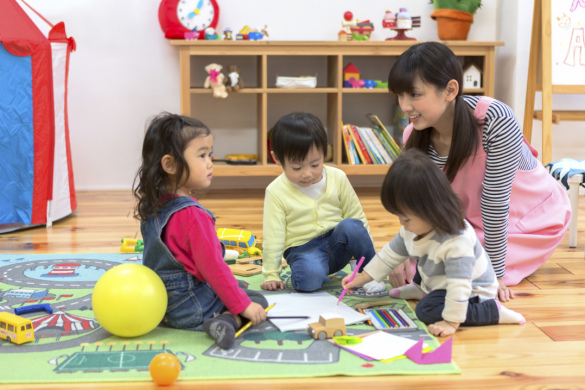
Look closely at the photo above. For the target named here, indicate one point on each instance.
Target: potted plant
(454, 17)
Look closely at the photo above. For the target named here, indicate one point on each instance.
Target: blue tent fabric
(16, 138)
(565, 168)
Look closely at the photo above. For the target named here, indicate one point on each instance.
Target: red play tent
(36, 175)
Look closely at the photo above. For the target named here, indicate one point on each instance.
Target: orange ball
(164, 368)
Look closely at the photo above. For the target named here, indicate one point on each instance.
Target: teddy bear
(233, 82)
(215, 80)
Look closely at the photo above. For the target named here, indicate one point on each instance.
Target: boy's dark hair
(165, 134)
(415, 185)
(294, 135)
(434, 63)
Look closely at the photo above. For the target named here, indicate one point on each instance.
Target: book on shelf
(390, 140)
(384, 141)
(361, 147)
(350, 151)
(374, 155)
(384, 155)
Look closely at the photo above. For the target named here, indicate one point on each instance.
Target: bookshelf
(264, 60)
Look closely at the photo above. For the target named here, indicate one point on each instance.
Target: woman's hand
(504, 293)
(272, 285)
(255, 313)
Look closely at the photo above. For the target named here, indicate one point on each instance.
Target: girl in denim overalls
(180, 240)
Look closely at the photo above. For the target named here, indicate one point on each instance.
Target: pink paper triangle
(441, 354)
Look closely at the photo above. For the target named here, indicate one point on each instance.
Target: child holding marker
(459, 285)
(180, 240)
(312, 215)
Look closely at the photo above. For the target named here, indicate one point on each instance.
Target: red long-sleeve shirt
(191, 237)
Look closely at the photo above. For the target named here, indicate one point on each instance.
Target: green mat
(70, 346)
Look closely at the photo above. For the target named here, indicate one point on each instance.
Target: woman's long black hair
(435, 64)
(165, 134)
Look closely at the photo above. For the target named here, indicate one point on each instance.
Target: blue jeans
(190, 301)
(430, 310)
(310, 263)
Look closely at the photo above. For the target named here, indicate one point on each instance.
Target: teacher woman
(519, 212)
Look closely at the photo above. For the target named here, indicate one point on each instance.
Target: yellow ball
(164, 368)
(129, 300)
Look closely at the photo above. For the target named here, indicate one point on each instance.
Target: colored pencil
(287, 317)
(367, 321)
(399, 317)
(243, 328)
(355, 271)
(389, 318)
(380, 319)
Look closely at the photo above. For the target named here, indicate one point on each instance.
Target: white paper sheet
(309, 304)
(382, 345)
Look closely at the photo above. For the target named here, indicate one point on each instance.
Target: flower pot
(452, 24)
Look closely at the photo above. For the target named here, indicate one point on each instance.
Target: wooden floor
(546, 352)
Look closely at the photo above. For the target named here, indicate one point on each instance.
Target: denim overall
(190, 301)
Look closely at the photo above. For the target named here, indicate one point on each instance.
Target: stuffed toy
(215, 80)
(233, 82)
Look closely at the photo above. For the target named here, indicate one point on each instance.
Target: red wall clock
(176, 17)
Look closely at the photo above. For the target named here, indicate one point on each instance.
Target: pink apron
(540, 210)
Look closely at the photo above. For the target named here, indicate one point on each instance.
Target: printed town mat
(71, 346)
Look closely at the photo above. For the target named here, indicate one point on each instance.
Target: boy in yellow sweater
(312, 214)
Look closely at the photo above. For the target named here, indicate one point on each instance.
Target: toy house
(350, 72)
(471, 77)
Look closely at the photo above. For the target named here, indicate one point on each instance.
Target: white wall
(515, 28)
(124, 70)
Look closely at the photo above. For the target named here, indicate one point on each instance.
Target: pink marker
(355, 271)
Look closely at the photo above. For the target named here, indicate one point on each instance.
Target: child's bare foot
(408, 291)
(443, 328)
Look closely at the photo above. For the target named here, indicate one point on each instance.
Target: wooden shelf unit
(336, 54)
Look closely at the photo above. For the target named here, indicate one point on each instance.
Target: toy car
(329, 325)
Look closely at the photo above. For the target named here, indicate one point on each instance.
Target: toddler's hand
(359, 280)
(255, 313)
(272, 285)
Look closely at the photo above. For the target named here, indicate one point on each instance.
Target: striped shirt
(455, 263)
(506, 153)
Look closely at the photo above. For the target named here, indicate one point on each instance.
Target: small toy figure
(360, 30)
(192, 35)
(369, 84)
(400, 23)
(227, 34)
(215, 80)
(233, 83)
(210, 34)
(244, 32)
(255, 35)
(389, 20)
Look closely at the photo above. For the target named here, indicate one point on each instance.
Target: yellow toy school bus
(236, 238)
(16, 329)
